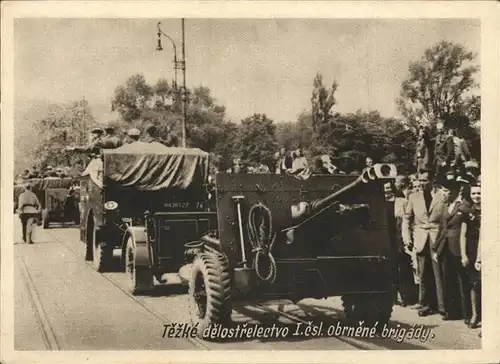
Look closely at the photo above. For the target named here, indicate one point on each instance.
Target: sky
(251, 66)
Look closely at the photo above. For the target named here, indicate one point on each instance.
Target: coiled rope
(260, 231)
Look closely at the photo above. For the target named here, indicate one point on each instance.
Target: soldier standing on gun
(443, 152)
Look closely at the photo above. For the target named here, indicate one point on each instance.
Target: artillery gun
(316, 238)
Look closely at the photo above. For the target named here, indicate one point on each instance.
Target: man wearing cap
(443, 151)
(151, 135)
(423, 212)
(28, 206)
(133, 136)
(447, 249)
(95, 145)
(111, 140)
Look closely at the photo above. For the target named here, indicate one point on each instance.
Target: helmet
(134, 132)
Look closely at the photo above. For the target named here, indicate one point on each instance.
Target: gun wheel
(209, 292)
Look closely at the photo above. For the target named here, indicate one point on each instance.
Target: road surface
(61, 303)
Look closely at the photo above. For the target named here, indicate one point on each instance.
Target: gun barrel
(378, 171)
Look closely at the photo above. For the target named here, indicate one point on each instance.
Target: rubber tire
(29, 230)
(137, 284)
(89, 241)
(370, 308)
(101, 256)
(213, 270)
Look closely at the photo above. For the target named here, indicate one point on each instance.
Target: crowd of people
(435, 218)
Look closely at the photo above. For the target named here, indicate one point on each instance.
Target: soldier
(28, 206)
(95, 145)
(133, 135)
(443, 152)
(111, 140)
(151, 135)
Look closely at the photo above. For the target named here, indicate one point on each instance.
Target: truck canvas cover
(153, 166)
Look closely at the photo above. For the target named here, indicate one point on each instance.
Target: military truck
(146, 200)
(58, 206)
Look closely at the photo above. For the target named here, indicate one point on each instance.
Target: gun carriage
(59, 204)
(265, 237)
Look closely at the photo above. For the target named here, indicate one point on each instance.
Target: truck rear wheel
(209, 292)
(371, 309)
(101, 254)
(140, 279)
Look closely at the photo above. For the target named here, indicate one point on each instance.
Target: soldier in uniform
(111, 140)
(443, 152)
(95, 145)
(133, 135)
(151, 135)
(28, 206)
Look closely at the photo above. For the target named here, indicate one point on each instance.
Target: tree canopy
(439, 86)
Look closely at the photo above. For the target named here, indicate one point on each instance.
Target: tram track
(296, 319)
(198, 343)
(195, 341)
(46, 329)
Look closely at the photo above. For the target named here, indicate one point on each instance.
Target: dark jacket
(450, 228)
(443, 149)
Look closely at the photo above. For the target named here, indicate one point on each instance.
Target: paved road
(63, 304)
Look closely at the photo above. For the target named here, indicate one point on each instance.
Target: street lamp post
(182, 66)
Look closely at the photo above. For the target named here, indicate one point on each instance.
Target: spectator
(368, 163)
(407, 277)
(423, 213)
(470, 252)
(284, 162)
(300, 164)
(449, 253)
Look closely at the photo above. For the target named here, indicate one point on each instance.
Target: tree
(298, 134)
(439, 85)
(130, 99)
(257, 140)
(65, 124)
(322, 101)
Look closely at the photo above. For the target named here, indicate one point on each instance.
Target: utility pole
(184, 90)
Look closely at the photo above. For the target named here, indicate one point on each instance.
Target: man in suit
(424, 211)
(28, 206)
(447, 250)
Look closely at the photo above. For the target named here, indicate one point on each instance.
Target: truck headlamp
(111, 205)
